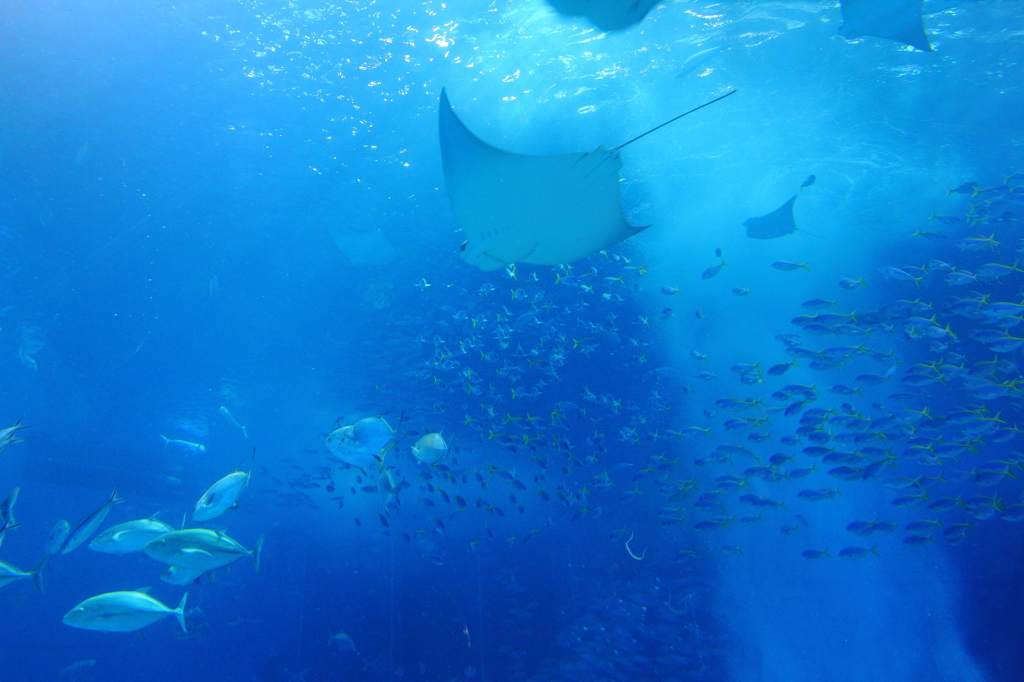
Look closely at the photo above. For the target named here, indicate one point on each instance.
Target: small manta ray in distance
(543, 210)
(779, 222)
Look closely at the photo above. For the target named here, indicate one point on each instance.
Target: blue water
(172, 178)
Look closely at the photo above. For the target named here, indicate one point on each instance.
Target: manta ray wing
(898, 20)
(517, 208)
(778, 223)
(607, 15)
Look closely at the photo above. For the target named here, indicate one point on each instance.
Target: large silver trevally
(222, 495)
(122, 612)
(58, 536)
(176, 575)
(7, 513)
(9, 574)
(363, 443)
(431, 448)
(9, 435)
(132, 536)
(343, 642)
(87, 526)
(201, 549)
(183, 445)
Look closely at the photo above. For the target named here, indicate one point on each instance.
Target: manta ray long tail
(671, 120)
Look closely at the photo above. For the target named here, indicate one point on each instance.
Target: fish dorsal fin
(144, 590)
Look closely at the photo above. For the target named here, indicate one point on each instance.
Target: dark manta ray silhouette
(544, 210)
(898, 20)
(778, 223)
(607, 15)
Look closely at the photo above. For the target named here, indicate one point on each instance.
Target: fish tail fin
(257, 551)
(114, 499)
(37, 574)
(167, 441)
(179, 613)
(245, 431)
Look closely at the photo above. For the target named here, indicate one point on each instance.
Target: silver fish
(58, 536)
(226, 413)
(132, 536)
(7, 436)
(9, 574)
(183, 444)
(7, 513)
(201, 549)
(343, 642)
(176, 575)
(222, 495)
(87, 526)
(122, 612)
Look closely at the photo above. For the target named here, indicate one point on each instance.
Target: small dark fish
(813, 554)
(918, 540)
(818, 304)
(714, 270)
(808, 182)
(789, 266)
(966, 188)
(780, 369)
(855, 553)
(847, 283)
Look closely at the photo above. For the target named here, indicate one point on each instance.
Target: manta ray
(779, 222)
(607, 15)
(898, 20)
(542, 210)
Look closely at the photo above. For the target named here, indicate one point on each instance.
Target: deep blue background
(168, 191)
